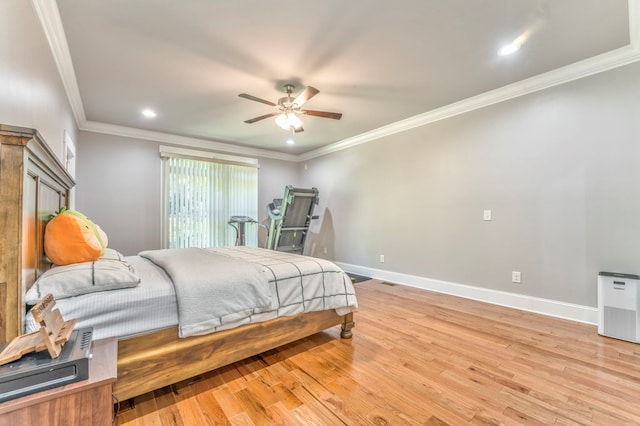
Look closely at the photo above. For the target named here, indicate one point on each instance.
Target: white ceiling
(377, 62)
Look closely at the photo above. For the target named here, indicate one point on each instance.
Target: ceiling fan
(289, 108)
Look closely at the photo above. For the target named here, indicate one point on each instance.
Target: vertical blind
(201, 196)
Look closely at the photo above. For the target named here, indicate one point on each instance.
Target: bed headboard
(33, 185)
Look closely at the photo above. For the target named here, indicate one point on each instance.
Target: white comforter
(299, 283)
(211, 289)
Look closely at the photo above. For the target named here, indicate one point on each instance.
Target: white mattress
(128, 312)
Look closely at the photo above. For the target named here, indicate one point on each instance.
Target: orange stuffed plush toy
(70, 237)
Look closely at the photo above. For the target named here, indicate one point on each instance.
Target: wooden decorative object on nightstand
(53, 334)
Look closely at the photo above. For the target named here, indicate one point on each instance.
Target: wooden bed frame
(34, 184)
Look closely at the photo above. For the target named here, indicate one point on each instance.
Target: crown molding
(130, 132)
(634, 24)
(49, 17)
(597, 64)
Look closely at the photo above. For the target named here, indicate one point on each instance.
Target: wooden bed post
(33, 184)
(347, 325)
(11, 183)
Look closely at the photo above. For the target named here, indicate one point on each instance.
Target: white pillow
(109, 272)
(112, 254)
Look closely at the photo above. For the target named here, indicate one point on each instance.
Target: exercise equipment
(239, 224)
(290, 218)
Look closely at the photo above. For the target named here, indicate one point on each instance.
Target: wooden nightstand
(87, 402)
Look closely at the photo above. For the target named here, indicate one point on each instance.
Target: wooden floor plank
(422, 358)
(147, 411)
(166, 407)
(228, 401)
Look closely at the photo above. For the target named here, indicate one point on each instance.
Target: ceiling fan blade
(308, 93)
(325, 114)
(262, 117)
(253, 98)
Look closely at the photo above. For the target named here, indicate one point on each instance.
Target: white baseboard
(554, 308)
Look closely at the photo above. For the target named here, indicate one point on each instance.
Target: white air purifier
(618, 302)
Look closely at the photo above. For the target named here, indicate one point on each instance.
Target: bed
(33, 184)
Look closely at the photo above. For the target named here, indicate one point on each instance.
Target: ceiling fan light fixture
(295, 122)
(288, 120)
(283, 121)
(286, 115)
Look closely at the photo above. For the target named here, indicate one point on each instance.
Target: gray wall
(119, 184)
(560, 170)
(31, 91)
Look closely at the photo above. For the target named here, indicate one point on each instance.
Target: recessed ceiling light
(290, 142)
(509, 49)
(149, 113)
(515, 45)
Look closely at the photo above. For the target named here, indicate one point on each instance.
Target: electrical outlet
(487, 215)
(515, 277)
(382, 258)
(324, 250)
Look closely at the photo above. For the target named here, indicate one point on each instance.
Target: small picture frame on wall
(69, 154)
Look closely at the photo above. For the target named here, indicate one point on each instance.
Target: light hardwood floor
(418, 358)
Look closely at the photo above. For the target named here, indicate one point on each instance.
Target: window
(201, 194)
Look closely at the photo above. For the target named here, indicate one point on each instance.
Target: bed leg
(347, 325)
